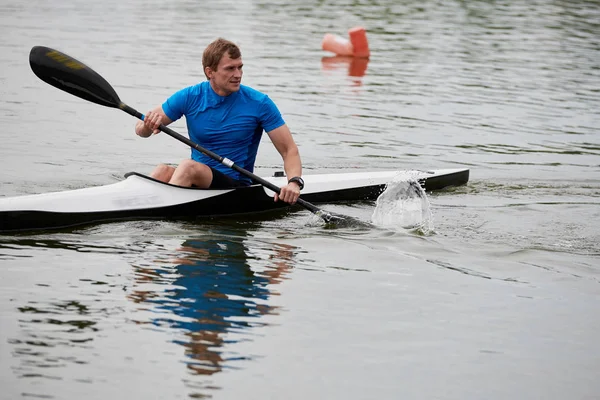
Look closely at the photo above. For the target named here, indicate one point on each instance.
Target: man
(228, 118)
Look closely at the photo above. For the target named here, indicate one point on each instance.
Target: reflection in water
(211, 290)
(356, 67)
(204, 294)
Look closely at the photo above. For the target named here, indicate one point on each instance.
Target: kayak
(141, 197)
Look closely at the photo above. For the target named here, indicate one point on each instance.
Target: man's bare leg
(192, 173)
(163, 172)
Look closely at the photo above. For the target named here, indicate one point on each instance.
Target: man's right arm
(152, 120)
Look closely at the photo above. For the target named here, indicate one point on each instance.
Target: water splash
(404, 204)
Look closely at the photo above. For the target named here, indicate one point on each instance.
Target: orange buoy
(358, 39)
(357, 46)
(337, 45)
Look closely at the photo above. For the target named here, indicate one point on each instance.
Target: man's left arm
(284, 143)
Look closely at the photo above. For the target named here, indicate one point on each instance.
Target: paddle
(73, 76)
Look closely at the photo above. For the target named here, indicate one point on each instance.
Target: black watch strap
(298, 180)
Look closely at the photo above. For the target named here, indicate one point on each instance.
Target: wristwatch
(298, 180)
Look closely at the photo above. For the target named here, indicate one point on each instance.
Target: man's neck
(218, 91)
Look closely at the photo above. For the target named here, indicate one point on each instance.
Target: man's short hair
(214, 52)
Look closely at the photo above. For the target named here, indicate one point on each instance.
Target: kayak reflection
(219, 285)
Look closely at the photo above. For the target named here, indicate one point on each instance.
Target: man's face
(228, 76)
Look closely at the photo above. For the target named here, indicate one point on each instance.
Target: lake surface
(499, 300)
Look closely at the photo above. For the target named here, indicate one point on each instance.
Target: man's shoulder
(252, 93)
(186, 91)
(197, 87)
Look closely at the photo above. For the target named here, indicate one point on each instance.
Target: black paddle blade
(72, 76)
(341, 221)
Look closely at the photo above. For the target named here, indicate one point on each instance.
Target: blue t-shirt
(231, 126)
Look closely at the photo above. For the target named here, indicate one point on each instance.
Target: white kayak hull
(141, 197)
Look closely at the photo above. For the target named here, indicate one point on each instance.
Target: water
(498, 301)
(404, 205)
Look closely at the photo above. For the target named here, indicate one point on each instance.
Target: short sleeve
(176, 105)
(270, 117)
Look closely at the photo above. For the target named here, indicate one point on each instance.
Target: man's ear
(208, 72)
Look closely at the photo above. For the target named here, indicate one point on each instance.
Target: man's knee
(194, 167)
(163, 172)
(190, 172)
(188, 164)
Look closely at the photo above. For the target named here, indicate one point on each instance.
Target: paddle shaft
(225, 161)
